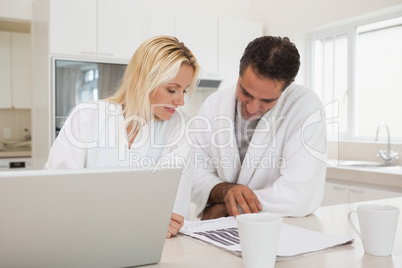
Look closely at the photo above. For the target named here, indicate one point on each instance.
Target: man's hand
(244, 197)
(176, 222)
(215, 211)
(234, 195)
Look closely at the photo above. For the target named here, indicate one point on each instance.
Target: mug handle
(351, 223)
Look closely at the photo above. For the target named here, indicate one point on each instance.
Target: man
(260, 146)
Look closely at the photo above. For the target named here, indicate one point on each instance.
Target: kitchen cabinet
(5, 69)
(73, 27)
(21, 70)
(200, 34)
(335, 193)
(234, 36)
(217, 43)
(15, 70)
(360, 194)
(157, 22)
(101, 28)
(119, 28)
(339, 193)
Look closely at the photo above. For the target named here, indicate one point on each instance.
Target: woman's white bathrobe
(94, 136)
(285, 164)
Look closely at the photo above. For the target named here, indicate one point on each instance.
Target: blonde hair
(154, 63)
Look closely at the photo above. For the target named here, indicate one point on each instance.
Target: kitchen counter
(15, 148)
(383, 177)
(182, 251)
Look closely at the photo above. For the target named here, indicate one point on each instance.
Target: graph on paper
(293, 241)
(225, 237)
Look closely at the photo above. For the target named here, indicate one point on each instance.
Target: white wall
(230, 9)
(295, 18)
(18, 10)
(289, 17)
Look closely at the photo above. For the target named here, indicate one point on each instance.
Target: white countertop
(390, 177)
(186, 252)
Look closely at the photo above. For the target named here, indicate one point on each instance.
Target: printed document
(293, 241)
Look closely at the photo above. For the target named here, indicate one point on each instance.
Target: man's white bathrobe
(94, 136)
(285, 164)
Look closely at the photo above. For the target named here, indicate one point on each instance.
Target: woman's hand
(176, 222)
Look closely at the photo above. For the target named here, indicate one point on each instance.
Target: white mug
(377, 224)
(259, 236)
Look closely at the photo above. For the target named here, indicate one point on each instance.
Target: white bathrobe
(94, 136)
(285, 164)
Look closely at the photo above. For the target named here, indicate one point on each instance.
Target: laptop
(85, 218)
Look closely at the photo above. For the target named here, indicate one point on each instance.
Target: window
(89, 87)
(331, 78)
(355, 71)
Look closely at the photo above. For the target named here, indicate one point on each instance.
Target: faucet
(389, 155)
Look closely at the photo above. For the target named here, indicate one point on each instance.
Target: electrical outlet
(6, 133)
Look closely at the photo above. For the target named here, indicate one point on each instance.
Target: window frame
(350, 30)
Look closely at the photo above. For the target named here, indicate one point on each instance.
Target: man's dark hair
(272, 57)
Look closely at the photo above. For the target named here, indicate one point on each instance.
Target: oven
(17, 163)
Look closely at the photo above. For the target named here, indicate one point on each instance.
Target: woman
(140, 125)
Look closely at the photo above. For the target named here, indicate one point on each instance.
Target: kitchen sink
(15, 146)
(362, 164)
(377, 166)
(18, 149)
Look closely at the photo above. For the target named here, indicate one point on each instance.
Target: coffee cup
(377, 224)
(259, 236)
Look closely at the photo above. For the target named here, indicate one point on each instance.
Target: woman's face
(165, 99)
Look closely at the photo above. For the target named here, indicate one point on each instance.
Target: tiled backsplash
(17, 120)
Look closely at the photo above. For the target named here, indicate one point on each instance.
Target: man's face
(257, 95)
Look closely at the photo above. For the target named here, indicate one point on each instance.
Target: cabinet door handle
(106, 54)
(87, 53)
(357, 191)
(339, 188)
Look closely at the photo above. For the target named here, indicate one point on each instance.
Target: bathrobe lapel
(262, 141)
(227, 136)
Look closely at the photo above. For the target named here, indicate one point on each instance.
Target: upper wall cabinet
(101, 28)
(5, 69)
(21, 70)
(200, 34)
(156, 22)
(119, 27)
(73, 27)
(234, 36)
(15, 70)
